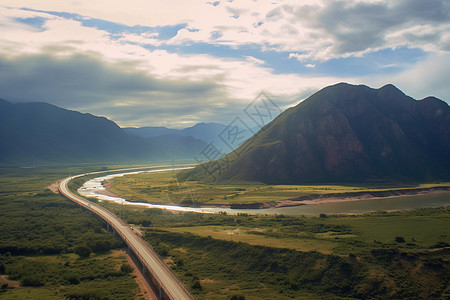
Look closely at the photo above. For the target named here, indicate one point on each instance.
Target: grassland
(373, 256)
(377, 255)
(40, 240)
(164, 187)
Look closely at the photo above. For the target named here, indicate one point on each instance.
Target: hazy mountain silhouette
(208, 132)
(345, 133)
(40, 132)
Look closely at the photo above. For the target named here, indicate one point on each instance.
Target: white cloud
(426, 78)
(311, 31)
(320, 29)
(219, 86)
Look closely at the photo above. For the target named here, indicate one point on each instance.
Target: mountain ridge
(38, 132)
(345, 133)
(208, 132)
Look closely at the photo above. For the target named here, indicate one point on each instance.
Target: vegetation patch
(285, 257)
(53, 248)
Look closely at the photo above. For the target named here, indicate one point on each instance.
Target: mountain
(39, 132)
(208, 132)
(150, 131)
(345, 133)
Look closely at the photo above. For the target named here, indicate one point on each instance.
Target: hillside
(345, 133)
(39, 133)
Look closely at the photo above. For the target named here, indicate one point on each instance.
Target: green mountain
(40, 133)
(344, 133)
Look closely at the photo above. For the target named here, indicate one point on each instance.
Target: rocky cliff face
(348, 133)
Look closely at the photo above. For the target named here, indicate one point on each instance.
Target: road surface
(172, 286)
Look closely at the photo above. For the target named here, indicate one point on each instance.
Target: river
(93, 188)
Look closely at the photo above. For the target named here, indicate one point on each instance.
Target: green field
(41, 239)
(377, 255)
(359, 233)
(164, 187)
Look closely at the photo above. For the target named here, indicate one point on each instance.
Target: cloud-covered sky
(176, 63)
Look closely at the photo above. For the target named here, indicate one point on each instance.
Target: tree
(196, 285)
(126, 268)
(399, 239)
(83, 251)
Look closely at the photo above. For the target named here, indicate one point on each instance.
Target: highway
(173, 288)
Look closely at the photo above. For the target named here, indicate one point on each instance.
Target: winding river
(94, 187)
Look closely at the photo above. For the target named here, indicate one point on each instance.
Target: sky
(180, 62)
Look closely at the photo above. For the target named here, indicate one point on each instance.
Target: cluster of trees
(48, 224)
(48, 241)
(74, 277)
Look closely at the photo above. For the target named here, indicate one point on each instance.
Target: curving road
(173, 288)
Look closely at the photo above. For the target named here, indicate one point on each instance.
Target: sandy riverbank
(358, 196)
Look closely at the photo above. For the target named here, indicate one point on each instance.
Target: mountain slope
(346, 133)
(40, 132)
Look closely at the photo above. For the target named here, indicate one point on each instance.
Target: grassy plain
(40, 235)
(377, 255)
(164, 187)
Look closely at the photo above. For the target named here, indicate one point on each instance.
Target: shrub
(399, 239)
(196, 285)
(126, 268)
(31, 281)
(83, 251)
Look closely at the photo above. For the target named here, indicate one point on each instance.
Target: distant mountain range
(208, 132)
(39, 133)
(345, 133)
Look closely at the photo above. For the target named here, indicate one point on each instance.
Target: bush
(73, 279)
(196, 285)
(146, 223)
(399, 239)
(31, 281)
(126, 268)
(83, 251)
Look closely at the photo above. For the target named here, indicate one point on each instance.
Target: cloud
(357, 27)
(87, 83)
(318, 30)
(177, 62)
(426, 78)
(125, 93)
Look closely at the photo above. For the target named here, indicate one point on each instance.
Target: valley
(370, 243)
(166, 188)
(257, 252)
(224, 150)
